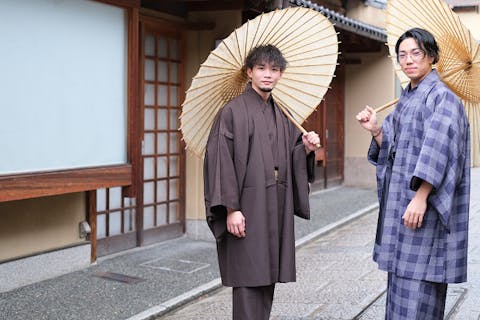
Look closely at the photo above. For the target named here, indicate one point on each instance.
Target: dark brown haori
(255, 162)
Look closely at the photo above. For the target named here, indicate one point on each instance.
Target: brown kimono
(247, 169)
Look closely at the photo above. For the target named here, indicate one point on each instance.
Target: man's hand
(367, 118)
(236, 223)
(414, 214)
(310, 141)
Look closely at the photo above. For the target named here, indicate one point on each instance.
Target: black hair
(265, 54)
(425, 40)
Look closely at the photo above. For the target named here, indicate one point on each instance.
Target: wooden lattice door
(161, 196)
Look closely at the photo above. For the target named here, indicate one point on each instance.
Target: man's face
(264, 77)
(413, 60)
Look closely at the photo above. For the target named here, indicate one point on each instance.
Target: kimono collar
(250, 91)
(427, 82)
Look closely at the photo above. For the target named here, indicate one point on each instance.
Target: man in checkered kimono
(422, 158)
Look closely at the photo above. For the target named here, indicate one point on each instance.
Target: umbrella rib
(451, 25)
(267, 28)
(225, 68)
(415, 14)
(316, 74)
(296, 40)
(201, 133)
(456, 25)
(255, 40)
(205, 96)
(282, 35)
(294, 97)
(204, 117)
(296, 115)
(223, 59)
(392, 6)
(205, 85)
(276, 31)
(211, 111)
(302, 91)
(314, 57)
(238, 48)
(245, 47)
(211, 75)
(201, 99)
(218, 67)
(297, 50)
(475, 54)
(453, 70)
(308, 74)
(209, 100)
(231, 52)
(326, 64)
(432, 17)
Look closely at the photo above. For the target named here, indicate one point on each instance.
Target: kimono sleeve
(382, 156)
(220, 182)
(373, 152)
(303, 173)
(442, 155)
(379, 155)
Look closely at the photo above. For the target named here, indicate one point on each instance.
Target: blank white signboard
(63, 85)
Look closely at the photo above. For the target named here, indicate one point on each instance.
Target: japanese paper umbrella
(307, 40)
(459, 60)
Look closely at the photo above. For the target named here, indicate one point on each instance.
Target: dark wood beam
(34, 185)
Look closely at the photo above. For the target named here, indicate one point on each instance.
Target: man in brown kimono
(256, 171)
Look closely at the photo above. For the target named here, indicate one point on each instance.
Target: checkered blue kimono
(425, 138)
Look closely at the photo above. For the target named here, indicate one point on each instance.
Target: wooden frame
(40, 184)
(172, 29)
(125, 238)
(110, 244)
(25, 186)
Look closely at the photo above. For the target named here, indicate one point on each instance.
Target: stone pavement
(152, 280)
(337, 279)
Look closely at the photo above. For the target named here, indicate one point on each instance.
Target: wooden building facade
(144, 187)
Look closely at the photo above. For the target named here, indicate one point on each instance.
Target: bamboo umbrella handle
(295, 122)
(385, 106)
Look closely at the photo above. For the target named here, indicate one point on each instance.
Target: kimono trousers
(426, 138)
(239, 173)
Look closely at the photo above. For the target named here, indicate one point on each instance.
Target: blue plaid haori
(409, 299)
(426, 138)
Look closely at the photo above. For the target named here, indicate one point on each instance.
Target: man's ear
(249, 73)
(430, 59)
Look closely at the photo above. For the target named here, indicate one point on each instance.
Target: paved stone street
(337, 278)
(167, 275)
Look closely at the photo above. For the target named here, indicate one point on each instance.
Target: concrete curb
(178, 301)
(188, 296)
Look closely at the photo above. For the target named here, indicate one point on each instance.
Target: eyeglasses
(416, 55)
